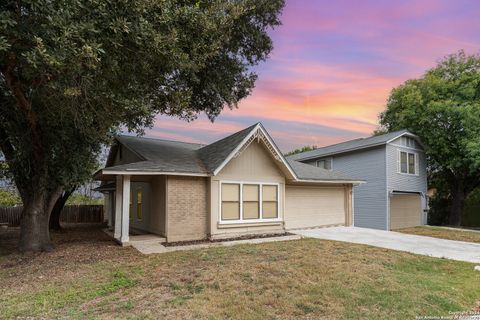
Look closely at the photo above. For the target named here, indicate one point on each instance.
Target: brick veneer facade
(187, 208)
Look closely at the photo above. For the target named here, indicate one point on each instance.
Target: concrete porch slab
(149, 247)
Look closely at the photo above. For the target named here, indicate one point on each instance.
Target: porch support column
(118, 207)
(125, 209)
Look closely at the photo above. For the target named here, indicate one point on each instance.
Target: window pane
(321, 163)
(328, 164)
(269, 209)
(403, 162)
(250, 192)
(269, 193)
(251, 210)
(411, 163)
(139, 205)
(230, 210)
(230, 192)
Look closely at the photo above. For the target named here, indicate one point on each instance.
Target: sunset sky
(333, 66)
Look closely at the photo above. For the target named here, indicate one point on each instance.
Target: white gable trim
(258, 132)
(406, 134)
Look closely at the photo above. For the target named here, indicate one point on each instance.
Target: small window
(269, 202)
(130, 207)
(325, 164)
(230, 201)
(410, 142)
(407, 162)
(411, 163)
(251, 207)
(403, 162)
(139, 205)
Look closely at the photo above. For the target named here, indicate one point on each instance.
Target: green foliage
(300, 150)
(76, 199)
(9, 198)
(471, 214)
(74, 72)
(443, 109)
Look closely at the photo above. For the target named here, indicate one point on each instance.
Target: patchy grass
(443, 233)
(91, 277)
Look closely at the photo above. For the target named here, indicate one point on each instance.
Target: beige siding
(405, 211)
(187, 211)
(254, 164)
(308, 206)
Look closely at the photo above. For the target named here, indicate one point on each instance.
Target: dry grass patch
(443, 233)
(307, 279)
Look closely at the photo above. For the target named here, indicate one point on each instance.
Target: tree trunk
(458, 203)
(57, 209)
(34, 231)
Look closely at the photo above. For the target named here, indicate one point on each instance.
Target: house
(393, 165)
(239, 185)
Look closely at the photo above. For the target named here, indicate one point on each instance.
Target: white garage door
(405, 211)
(307, 207)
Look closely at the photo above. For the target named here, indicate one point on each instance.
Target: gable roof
(180, 158)
(351, 145)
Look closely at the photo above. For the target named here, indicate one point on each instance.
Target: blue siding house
(394, 168)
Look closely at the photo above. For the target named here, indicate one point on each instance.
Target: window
(325, 164)
(410, 142)
(139, 205)
(251, 200)
(248, 201)
(407, 162)
(230, 201)
(130, 213)
(269, 201)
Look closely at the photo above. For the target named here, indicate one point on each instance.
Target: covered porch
(134, 207)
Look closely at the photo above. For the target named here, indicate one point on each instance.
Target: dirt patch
(246, 237)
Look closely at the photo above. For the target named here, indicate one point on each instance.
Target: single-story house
(239, 185)
(393, 165)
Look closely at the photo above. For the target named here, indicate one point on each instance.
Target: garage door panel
(313, 206)
(405, 211)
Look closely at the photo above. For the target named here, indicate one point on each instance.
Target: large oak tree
(443, 109)
(73, 72)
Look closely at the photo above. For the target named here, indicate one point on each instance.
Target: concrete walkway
(427, 246)
(149, 247)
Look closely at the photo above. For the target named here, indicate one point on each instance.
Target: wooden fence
(70, 214)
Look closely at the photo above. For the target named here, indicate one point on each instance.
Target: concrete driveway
(427, 246)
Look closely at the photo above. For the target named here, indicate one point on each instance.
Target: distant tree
(443, 109)
(300, 150)
(9, 198)
(73, 72)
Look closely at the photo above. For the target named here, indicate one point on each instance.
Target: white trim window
(410, 142)
(408, 162)
(248, 202)
(324, 163)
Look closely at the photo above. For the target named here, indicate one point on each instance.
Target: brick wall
(187, 208)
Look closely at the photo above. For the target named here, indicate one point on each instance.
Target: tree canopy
(443, 109)
(73, 72)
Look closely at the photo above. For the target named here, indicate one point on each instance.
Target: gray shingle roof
(189, 158)
(214, 154)
(347, 146)
(309, 172)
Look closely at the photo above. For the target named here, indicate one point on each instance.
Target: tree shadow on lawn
(75, 243)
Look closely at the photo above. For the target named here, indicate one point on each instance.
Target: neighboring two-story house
(393, 165)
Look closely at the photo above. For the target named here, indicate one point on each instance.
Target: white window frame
(260, 199)
(408, 140)
(399, 161)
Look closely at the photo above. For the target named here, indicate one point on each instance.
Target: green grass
(296, 279)
(443, 233)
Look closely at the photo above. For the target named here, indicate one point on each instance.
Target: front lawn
(88, 276)
(443, 233)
